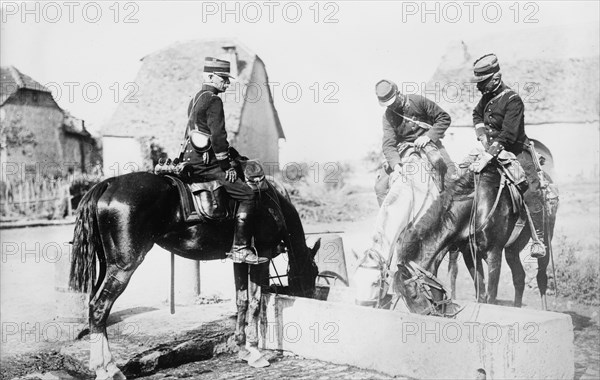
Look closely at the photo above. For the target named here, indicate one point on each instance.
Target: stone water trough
(506, 343)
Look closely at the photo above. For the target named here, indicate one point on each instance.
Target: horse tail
(87, 243)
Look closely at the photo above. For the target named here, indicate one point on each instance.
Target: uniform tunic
(501, 117)
(502, 113)
(396, 129)
(206, 114)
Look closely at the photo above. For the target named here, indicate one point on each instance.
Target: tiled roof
(12, 80)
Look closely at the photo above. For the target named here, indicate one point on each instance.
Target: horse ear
(315, 248)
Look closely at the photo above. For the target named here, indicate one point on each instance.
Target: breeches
(533, 197)
(238, 190)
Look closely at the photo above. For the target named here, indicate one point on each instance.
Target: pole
(197, 283)
(172, 283)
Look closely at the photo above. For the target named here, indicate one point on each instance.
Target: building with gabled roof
(156, 114)
(36, 130)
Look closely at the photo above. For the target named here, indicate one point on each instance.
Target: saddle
(209, 200)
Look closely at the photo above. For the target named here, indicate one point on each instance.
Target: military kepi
(386, 91)
(485, 67)
(217, 66)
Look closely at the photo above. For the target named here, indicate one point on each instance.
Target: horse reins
(420, 276)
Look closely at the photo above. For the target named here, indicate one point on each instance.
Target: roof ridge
(232, 40)
(16, 74)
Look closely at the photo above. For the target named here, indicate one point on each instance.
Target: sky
(88, 53)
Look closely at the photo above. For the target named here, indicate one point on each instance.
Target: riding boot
(538, 248)
(242, 250)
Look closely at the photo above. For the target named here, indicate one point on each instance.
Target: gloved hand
(421, 141)
(230, 175)
(484, 141)
(478, 165)
(395, 174)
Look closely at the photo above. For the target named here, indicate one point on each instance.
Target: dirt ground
(29, 341)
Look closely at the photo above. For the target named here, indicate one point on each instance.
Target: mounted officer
(499, 120)
(410, 119)
(207, 152)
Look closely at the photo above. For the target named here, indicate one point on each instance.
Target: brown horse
(476, 216)
(120, 219)
(518, 241)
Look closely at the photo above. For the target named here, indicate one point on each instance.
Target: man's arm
(218, 134)
(441, 119)
(390, 150)
(478, 119)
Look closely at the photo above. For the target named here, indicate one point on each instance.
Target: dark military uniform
(206, 115)
(500, 116)
(396, 130)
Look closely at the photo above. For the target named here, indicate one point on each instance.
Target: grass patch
(327, 192)
(577, 273)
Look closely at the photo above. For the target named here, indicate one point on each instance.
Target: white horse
(409, 197)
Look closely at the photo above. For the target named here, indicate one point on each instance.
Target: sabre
(420, 124)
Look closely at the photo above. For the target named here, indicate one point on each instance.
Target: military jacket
(205, 113)
(397, 130)
(502, 114)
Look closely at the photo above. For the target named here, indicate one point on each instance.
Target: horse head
(422, 292)
(371, 279)
(303, 275)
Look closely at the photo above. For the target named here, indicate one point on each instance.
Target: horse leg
(542, 276)
(518, 273)
(453, 270)
(494, 263)
(259, 278)
(240, 272)
(476, 274)
(115, 282)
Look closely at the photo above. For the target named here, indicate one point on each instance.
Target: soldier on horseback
(410, 119)
(207, 152)
(499, 120)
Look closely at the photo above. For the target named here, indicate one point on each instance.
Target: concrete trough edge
(507, 343)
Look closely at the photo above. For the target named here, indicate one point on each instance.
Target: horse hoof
(114, 373)
(260, 362)
(254, 358)
(244, 354)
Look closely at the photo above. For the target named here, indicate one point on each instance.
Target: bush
(577, 276)
(323, 192)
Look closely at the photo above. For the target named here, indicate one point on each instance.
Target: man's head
(387, 93)
(216, 73)
(486, 73)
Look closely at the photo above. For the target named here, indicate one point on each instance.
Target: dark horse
(120, 219)
(453, 221)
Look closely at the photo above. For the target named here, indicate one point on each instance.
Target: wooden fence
(35, 197)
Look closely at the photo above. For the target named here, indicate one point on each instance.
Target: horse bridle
(383, 265)
(425, 281)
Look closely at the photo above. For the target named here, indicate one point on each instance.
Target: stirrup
(537, 250)
(246, 256)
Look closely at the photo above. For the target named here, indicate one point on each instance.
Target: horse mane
(438, 214)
